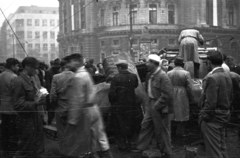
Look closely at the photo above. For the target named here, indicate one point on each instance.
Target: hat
(56, 63)
(178, 61)
(154, 57)
(73, 56)
(122, 63)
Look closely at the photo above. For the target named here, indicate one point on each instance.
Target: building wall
(33, 13)
(97, 40)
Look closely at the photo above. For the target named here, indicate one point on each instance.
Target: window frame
(152, 11)
(174, 14)
(115, 15)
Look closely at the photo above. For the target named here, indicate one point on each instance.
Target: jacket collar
(25, 77)
(178, 68)
(217, 69)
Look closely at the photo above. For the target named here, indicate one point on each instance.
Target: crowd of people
(80, 125)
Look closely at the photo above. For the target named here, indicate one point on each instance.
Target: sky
(10, 6)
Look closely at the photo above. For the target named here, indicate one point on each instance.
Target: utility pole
(131, 29)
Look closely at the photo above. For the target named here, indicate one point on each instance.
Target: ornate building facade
(99, 29)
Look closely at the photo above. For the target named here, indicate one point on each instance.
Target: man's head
(51, 63)
(122, 65)
(91, 61)
(63, 64)
(12, 64)
(30, 66)
(153, 62)
(179, 61)
(100, 65)
(164, 65)
(74, 61)
(214, 59)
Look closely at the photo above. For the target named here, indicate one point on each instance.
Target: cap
(154, 57)
(122, 63)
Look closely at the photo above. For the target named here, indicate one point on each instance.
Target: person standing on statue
(188, 50)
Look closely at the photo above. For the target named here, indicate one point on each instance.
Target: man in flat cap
(84, 130)
(182, 94)
(159, 89)
(122, 99)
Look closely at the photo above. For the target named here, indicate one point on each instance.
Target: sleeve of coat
(189, 87)
(166, 92)
(76, 96)
(112, 94)
(19, 98)
(200, 39)
(53, 93)
(136, 82)
(210, 103)
(180, 38)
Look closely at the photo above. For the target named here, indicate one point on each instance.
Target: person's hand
(41, 101)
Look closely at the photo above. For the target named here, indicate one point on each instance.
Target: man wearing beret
(159, 89)
(122, 98)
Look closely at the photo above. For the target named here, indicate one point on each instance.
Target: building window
(115, 52)
(115, 16)
(152, 13)
(116, 42)
(20, 34)
(45, 47)
(37, 34)
(102, 43)
(171, 14)
(19, 22)
(231, 16)
(134, 14)
(45, 36)
(29, 22)
(37, 46)
(53, 46)
(52, 22)
(103, 56)
(154, 41)
(29, 45)
(171, 42)
(37, 22)
(83, 15)
(52, 34)
(44, 22)
(102, 17)
(29, 34)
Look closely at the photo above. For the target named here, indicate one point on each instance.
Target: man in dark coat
(156, 117)
(8, 127)
(122, 99)
(216, 104)
(29, 119)
(48, 78)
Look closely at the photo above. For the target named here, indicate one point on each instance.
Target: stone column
(224, 13)
(203, 12)
(215, 13)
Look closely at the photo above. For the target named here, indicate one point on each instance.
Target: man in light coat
(182, 94)
(84, 132)
(188, 50)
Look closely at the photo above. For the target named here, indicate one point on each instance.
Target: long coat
(29, 120)
(83, 117)
(182, 93)
(188, 40)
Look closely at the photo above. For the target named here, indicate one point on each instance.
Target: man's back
(123, 85)
(6, 91)
(59, 87)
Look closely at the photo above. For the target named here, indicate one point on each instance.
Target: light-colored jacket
(7, 79)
